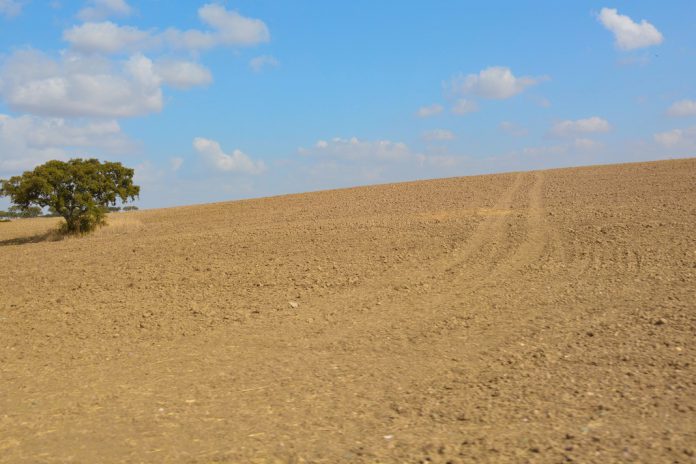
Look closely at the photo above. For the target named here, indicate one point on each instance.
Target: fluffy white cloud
(231, 28)
(428, 111)
(226, 28)
(27, 141)
(677, 138)
(570, 128)
(438, 134)
(107, 37)
(354, 148)
(183, 74)
(513, 129)
(628, 34)
(683, 108)
(76, 85)
(464, 106)
(237, 161)
(10, 8)
(264, 61)
(101, 9)
(496, 83)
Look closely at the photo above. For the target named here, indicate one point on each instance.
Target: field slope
(544, 316)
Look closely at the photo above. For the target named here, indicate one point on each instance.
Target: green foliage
(114, 209)
(130, 208)
(78, 190)
(17, 212)
(29, 212)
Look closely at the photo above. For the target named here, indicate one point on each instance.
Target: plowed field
(544, 316)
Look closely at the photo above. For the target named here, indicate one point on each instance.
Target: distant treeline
(34, 211)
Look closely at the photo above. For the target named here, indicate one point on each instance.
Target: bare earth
(528, 317)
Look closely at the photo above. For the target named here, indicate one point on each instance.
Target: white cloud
(101, 9)
(76, 85)
(264, 61)
(496, 83)
(183, 74)
(438, 134)
(176, 162)
(585, 144)
(10, 8)
(545, 150)
(107, 37)
(683, 108)
(677, 138)
(428, 111)
(578, 146)
(440, 161)
(513, 129)
(227, 28)
(354, 148)
(231, 28)
(27, 141)
(629, 35)
(464, 106)
(570, 128)
(211, 151)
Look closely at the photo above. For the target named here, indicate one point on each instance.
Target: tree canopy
(79, 190)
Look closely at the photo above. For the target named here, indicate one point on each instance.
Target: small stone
(660, 321)
(294, 304)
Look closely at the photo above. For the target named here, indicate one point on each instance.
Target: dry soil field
(528, 317)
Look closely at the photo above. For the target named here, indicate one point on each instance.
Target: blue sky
(237, 99)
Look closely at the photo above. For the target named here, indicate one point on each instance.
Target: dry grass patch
(119, 224)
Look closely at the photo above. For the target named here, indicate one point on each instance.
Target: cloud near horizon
(677, 138)
(428, 111)
(237, 161)
(570, 128)
(682, 108)
(513, 129)
(438, 135)
(26, 141)
(354, 148)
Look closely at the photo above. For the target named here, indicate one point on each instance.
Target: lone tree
(78, 190)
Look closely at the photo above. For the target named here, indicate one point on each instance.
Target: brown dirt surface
(542, 316)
